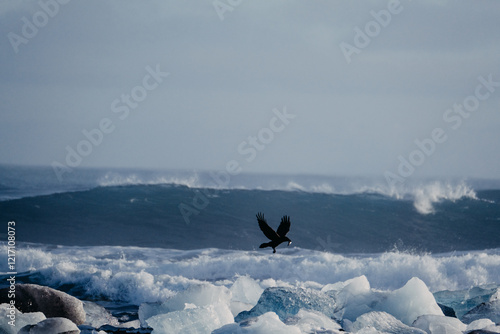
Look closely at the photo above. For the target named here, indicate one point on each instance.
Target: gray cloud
(227, 76)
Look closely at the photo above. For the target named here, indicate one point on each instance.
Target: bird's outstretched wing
(268, 231)
(284, 226)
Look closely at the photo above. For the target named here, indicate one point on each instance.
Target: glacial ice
(194, 296)
(490, 310)
(485, 324)
(382, 322)
(463, 301)
(352, 297)
(246, 290)
(411, 301)
(313, 322)
(198, 320)
(245, 294)
(56, 325)
(286, 302)
(198, 309)
(361, 309)
(264, 324)
(348, 300)
(436, 324)
(97, 316)
(21, 319)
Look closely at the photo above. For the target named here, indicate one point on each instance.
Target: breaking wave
(136, 275)
(116, 179)
(423, 194)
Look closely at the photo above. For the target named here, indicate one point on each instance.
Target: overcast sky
(354, 88)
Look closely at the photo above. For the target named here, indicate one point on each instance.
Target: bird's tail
(264, 245)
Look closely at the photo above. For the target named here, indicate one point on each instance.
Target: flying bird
(275, 237)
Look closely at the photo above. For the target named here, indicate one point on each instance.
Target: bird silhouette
(275, 237)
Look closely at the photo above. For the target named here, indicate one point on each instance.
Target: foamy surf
(295, 290)
(154, 274)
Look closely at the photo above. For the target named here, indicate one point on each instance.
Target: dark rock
(116, 330)
(51, 302)
(52, 326)
(447, 311)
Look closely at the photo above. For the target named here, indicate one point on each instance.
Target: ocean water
(127, 237)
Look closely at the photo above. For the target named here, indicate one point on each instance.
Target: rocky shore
(39, 309)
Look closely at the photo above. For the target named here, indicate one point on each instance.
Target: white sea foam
(294, 186)
(138, 275)
(115, 179)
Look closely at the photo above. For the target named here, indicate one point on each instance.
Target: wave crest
(424, 194)
(425, 197)
(114, 180)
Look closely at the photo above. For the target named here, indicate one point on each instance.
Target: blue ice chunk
(489, 310)
(462, 301)
(286, 302)
(199, 320)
